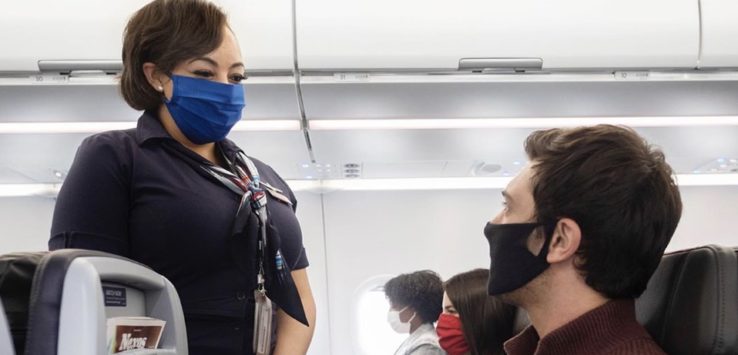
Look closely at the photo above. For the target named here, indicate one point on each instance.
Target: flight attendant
(175, 194)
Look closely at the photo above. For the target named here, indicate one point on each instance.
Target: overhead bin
(432, 35)
(719, 33)
(63, 36)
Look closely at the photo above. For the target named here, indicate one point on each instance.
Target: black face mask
(512, 265)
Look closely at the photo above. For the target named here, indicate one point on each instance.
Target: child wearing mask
(473, 322)
(415, 303)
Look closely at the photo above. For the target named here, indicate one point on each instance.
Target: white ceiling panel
(418, 145)
(388, 153)
(29, 158)
(37, 156)
(411, 152)
(284, 151)
(496, 98)
(26, 158)
(458, 152)
(74, 103)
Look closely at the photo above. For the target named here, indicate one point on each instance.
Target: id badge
(262, 323)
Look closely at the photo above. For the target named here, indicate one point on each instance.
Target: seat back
(16, 278)
(690, 306)
(6, 342)
(62, 309)
(691, 303)
(521, 321)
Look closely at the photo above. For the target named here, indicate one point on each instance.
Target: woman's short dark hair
(487, 322)
(619, 190)
(421, 290)
(166, 32)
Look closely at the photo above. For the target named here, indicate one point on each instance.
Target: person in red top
(472, 322)
(583, 228)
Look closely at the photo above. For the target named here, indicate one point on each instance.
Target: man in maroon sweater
(583, 228)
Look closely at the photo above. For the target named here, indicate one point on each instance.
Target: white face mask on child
(393, 318)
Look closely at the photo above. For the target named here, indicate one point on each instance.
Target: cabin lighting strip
(468, 183)
(95, 127)
(23, 190)
(389, 124)
(542, 122)
(407, 184)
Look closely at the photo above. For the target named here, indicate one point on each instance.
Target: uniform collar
(228, 148)
(150, 128)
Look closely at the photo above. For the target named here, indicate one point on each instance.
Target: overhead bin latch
(493, 65)
(69, 66)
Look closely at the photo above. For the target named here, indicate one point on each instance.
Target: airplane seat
(66, 299)
(690, 306)
(6, 341)
(521, 321)
(16, 277)
(691, 303)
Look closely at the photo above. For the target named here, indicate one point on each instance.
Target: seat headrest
(6, 340)
(521, 320)
(46, 298)
(16, 278)
(691, 303)
(690, 306)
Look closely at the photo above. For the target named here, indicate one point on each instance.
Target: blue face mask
(205, 111)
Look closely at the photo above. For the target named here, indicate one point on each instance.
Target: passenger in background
(583, 228)
(175, 194)
(472, 322)
(415, 303)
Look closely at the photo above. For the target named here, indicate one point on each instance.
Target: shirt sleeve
(427, 349)
(92, 207)
(298, 258)
(285, 220)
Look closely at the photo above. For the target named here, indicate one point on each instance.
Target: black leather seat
(6, 339)
(691, 303)
(690, 306)
(16, 278)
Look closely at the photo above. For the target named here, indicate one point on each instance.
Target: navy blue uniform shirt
(128, 195)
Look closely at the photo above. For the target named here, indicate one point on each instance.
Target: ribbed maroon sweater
(609, 329)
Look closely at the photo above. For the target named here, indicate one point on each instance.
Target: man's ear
(155, 77)
(565, 241)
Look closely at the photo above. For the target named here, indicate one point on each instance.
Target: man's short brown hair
(166, 32)
(619, 190)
